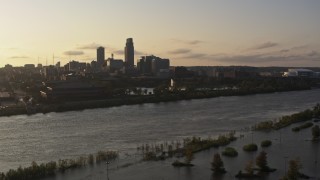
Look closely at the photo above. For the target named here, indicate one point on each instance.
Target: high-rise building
(148, 65)
(159, 64)
(114, 64)
(129, 54)
(100, 57)
(144, 64)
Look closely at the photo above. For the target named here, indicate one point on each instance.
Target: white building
(299, 73)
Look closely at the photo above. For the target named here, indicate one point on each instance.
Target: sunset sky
(188, 32)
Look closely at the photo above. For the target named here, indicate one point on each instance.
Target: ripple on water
(51, 136)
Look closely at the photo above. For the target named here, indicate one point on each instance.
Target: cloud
(275, 58)
(19, 57)
(121, 52)
(89, 46)
(194, 42)
(295, 48)
(264, 46)
(313, 54)
(284, 50)
(196, 56)
(139, 53)
(266, 58)
(248, 59)
(180, 51)
(257, 59)
(188, 42)
(73, 53)
(299, 47)
(185, 53)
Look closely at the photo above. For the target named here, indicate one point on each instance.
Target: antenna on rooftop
(53, 59)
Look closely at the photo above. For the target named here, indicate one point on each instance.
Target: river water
(53, 136)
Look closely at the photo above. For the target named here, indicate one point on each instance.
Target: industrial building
(299, 73)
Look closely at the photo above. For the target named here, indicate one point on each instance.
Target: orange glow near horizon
(189, 33)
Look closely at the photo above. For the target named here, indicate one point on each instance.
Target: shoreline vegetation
(156, 152)
(285, 121)
(149, 153)
(161, 95)
(178, 150)
(38, 171)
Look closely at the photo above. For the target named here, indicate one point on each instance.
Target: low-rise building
(114, 64)
(71, 90)
(299, 73)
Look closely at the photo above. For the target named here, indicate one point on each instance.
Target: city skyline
(264, 33)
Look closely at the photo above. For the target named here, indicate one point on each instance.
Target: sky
(188, 32)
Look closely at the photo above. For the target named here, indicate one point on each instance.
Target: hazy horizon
(190, 33)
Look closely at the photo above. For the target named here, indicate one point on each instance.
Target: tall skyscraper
(152, 65)
(129, 53)
(100, 57)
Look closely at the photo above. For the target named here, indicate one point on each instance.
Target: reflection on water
(70, 134)
(292, 146)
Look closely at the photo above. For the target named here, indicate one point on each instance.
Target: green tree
(91, 159)
(261, 161)
(315, 132)
(293, 171)
(51, 167)
(316, 110)
(217, 164)
(249, 168)
(2, 176)
(189, 156)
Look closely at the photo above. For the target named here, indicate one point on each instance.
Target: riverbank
(278, 156)
(203, 149)
(52, 136)
(284, 121)
(133, 100)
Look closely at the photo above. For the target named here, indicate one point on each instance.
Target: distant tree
(315, 132)
(138, 92)
(2, 176)
(217, 164)
(293, 171)
(316, 110)
(261, 160)
(189, 156)
(249, 168)
(51, 167)
(91, 159)
(170, 150)
(250, 147)
(145, 91)
(230, 151)
(266, 143)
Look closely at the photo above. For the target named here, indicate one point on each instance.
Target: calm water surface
(46, 137)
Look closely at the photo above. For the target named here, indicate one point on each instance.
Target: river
(53, 136)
